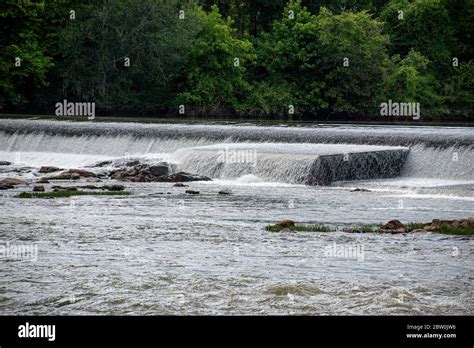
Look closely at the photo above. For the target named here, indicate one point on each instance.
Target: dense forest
(238, 58)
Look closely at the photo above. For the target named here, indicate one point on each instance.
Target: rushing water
(161, 251)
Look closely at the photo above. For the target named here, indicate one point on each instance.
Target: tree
(24, 61)
(422, 25)
(411, 81)
(353, 60)
(330, 63)
(250, 17)
(289, 56)
(127, 54)
(215, 66)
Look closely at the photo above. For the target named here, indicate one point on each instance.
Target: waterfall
(301, 155)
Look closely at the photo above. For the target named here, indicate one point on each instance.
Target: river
(161, 251)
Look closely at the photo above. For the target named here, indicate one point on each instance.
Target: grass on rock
(460, 231)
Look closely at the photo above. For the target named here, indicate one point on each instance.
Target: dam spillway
(317, 155)
(309, 164)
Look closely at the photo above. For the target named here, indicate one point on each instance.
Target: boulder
(394, 226)
(436, 223)
(5, 163)
(180, 184)
(114, 187)
(38, 188)
(81, 173)
(118, 175)
(142, 172)
(48, 169)
(286, 223)
(183, 177)
(72, 174)
(469, 222)
(102, 164)
(159, 170)
(132, 163)
(12, 181)
(24, 170)
(63, 176)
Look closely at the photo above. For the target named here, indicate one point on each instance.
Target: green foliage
(147, 32)
(307, 54)
(458, 90)
(283, 61)
(251, 17)
(461, 231)
(357, 37)
(288, 56)
(215, 66)
(425, 27)
(411, 81)
(18, 39)
(267, 98)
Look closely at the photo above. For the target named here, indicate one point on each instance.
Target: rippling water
(161, 251)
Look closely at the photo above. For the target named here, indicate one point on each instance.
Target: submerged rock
(48, 169)
(183, 177)
(64, 188)
(12, 181)
(6, 186)
(225, 192)
(89, 187)
(114, 187)
(5, 163)
(192, 192)
(360, 190)
(38, 188)
(180, 184)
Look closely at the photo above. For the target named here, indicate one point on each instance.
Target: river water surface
(161, 251)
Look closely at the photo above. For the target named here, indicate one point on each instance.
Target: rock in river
(72, 174)
(394, 226)
(12, 181)
(286, 223)
(48, 169)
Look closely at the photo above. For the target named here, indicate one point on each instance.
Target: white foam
(63, 160)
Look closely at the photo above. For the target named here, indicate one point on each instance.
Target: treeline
(255, 58)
